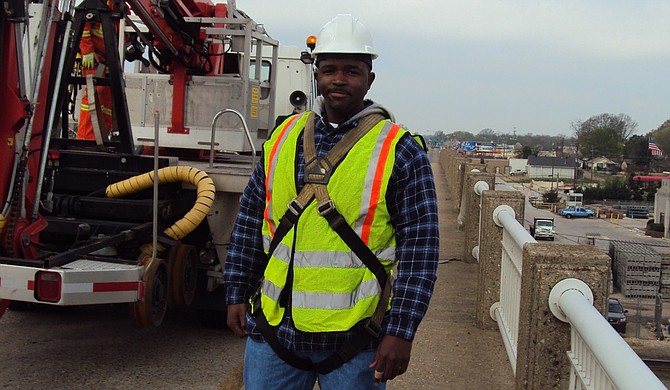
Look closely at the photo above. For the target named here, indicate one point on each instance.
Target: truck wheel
(183, 272)
(591, 216)
(568, 216)
(150, 310)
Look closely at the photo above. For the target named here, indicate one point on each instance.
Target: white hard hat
(344, 35)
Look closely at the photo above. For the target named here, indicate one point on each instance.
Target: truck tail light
(48, 286)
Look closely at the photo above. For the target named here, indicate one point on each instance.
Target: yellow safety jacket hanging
(330, 288)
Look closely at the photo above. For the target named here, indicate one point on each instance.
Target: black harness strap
(353, 240)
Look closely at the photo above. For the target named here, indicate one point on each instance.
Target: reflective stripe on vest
(271, 158)
(332, 289)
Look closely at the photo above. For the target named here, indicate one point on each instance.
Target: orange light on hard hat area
(311, 42)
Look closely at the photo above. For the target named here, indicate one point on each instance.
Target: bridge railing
(547, 300)
(599, 357)
(506, 311)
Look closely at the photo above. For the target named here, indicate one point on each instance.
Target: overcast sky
(531, 65)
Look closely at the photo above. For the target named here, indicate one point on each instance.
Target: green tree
(463, 135)
(601, 141)
(637, 152)
(614, 188)
(622, 124)
(550, 196)
(526, 151)
(661, 136)
(486, 135)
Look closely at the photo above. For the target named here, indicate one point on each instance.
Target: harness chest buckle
(318, 170)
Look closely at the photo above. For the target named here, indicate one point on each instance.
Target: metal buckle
(373, 328)
(326, 208)
(295, 207)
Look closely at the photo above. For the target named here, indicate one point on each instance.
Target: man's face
(343, 82)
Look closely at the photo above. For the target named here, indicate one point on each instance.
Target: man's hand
(392, 357)
(88, 60)
(237, 319)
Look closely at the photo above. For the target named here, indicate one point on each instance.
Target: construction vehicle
(142, 214)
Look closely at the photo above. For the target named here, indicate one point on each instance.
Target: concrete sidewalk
(449, 352)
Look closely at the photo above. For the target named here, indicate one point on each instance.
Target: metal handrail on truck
(246, 132)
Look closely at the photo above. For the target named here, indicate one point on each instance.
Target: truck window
(265, 70)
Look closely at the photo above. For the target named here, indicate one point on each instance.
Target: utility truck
(142, 214)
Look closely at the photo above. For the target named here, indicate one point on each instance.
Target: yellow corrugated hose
(2, 222)
(203, 203)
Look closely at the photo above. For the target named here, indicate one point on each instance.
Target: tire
(591, 216)
(568, 216)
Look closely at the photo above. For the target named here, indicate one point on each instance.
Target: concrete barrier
(542, 362)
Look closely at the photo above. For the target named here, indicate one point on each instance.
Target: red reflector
(54, 154)
(47, 286)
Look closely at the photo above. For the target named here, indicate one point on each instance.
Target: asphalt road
(97, 347)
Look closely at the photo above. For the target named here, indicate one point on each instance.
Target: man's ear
(371, 79)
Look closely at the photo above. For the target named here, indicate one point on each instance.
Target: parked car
(517, 172)
(577, 212)
(616, 315)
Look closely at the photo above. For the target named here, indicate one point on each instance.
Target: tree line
(607, 135)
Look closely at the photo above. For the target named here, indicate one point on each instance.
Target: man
(320, 228)
(92, 49)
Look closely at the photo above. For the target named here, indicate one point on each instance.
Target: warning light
(311, 42)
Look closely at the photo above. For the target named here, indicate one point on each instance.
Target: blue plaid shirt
(412, 204)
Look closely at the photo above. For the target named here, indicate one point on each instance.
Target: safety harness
(318, 171)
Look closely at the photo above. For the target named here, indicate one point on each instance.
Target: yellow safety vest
(332, 289)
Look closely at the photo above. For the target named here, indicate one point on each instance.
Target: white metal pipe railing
(596, 346)
(505, 217)
(506, 311)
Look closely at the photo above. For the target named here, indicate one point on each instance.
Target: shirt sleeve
(247, 260)
(413, 208)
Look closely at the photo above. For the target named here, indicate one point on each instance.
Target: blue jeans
(264, 370)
